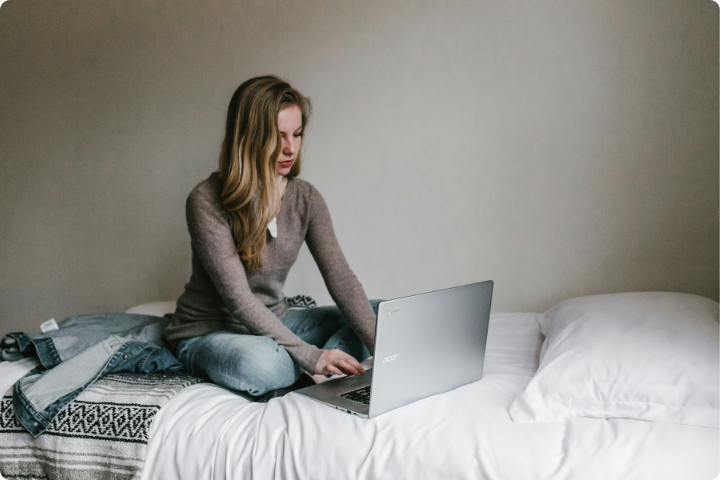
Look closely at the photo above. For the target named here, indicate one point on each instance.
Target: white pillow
(158, 309)
(650, 356)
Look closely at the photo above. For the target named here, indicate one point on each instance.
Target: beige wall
(560, 148)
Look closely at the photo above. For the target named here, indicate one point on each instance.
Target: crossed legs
(256, 364)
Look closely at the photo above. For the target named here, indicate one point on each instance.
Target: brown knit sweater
(222, 296)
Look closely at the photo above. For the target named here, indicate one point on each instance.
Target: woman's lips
(286, 163)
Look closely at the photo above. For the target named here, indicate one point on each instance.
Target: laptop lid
(429, 343)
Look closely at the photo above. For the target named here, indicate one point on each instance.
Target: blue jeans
(256, 364)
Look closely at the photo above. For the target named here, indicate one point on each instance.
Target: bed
(207, 432)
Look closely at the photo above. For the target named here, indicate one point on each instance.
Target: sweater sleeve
(344, 287)
(212, 238)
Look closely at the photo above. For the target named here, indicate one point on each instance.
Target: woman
(247, 223)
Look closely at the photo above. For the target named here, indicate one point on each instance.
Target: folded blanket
(102, 434)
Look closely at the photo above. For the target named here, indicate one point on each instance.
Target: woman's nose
(289, 147)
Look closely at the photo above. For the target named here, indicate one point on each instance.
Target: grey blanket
(102, 434)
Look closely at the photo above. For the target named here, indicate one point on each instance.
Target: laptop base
(330, 393)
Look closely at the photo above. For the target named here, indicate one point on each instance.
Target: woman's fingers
(349, 365)
(334, 369)
(359, 370)
(349, 368)
(359, 367)
(338, 363)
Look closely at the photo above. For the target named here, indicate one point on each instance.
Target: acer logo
(390, 358)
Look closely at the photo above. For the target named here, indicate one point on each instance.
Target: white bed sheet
(207, 432)
(210, 433)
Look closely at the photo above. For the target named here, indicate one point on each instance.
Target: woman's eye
(297, 135)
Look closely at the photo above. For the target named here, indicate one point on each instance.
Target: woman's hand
(338, 362)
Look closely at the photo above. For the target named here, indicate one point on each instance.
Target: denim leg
(247, 363)
(314, 325)
(327, 328)
(347, 341)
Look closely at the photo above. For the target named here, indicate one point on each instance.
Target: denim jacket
(80, 352)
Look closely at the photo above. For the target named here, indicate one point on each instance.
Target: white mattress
(210, 433)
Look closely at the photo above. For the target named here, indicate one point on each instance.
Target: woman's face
(290, 126)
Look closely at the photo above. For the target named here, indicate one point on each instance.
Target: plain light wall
(560, 148)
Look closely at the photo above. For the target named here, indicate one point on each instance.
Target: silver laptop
(424, 345)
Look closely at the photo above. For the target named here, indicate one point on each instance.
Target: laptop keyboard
(361, 395)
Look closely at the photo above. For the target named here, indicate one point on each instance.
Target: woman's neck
(282, 185)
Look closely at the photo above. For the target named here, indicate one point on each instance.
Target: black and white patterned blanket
(102, 434)
(300, 301)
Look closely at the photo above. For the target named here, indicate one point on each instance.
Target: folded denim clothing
(76, 334)
(81, 351)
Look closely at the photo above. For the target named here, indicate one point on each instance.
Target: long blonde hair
(247, 160)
